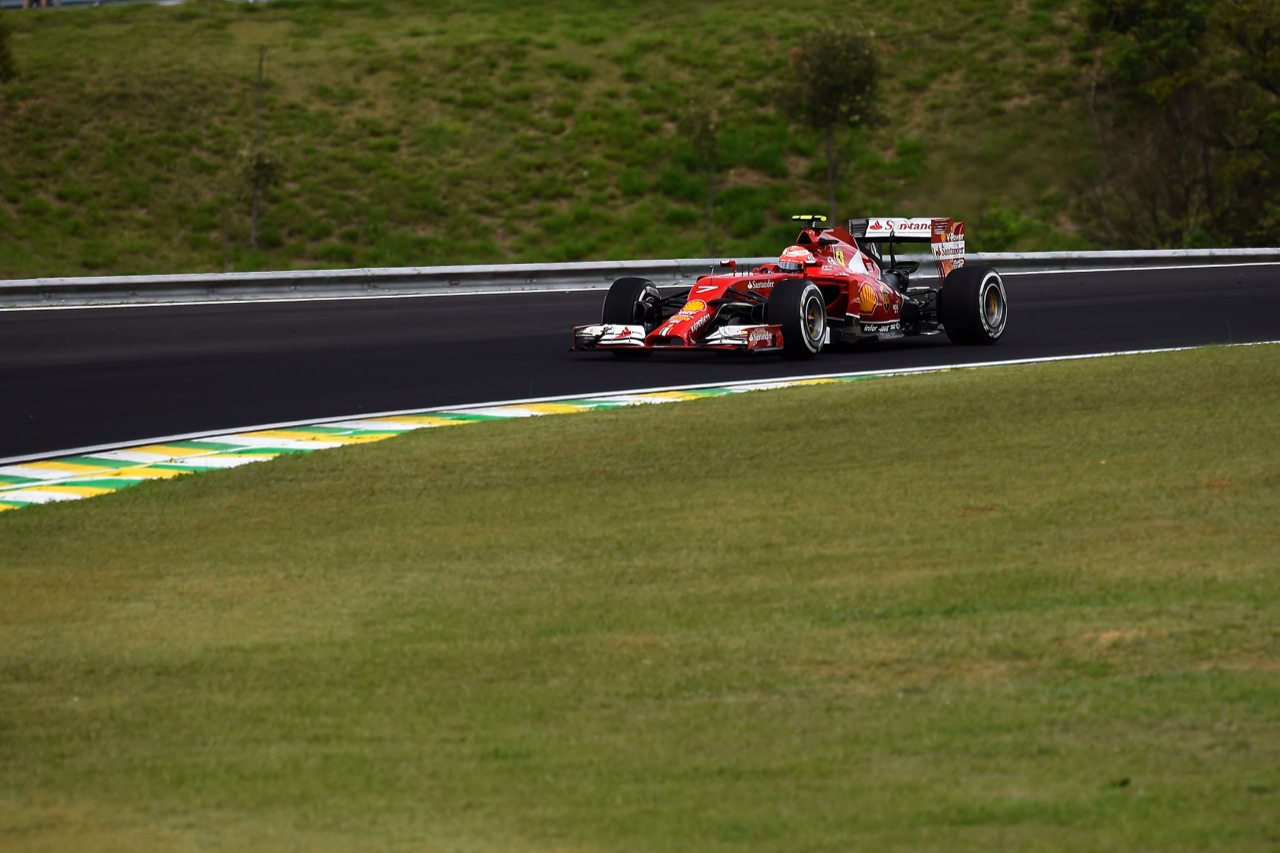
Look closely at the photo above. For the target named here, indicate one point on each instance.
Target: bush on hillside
(1188, 116)
(8, 69)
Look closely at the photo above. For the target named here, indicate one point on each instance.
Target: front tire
(631, 301)
(797, 306)
(973, 306)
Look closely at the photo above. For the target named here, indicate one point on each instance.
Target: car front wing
(612, 336)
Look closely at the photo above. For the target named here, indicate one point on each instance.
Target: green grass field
(419, 132)
(1032, 608)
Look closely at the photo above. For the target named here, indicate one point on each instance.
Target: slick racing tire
(796, 305)
(973, 306)
(631, 301)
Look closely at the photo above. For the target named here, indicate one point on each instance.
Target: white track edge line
(601, 396)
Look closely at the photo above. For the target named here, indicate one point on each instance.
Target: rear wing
(944, 235)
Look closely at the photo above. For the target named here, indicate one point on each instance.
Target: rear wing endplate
(944, 235)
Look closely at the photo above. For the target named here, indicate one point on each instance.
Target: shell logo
(867, 298)
(693, 306)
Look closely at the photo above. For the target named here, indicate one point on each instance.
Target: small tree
(8, 70)
(701, 124)
(259, 170)
(833, 82)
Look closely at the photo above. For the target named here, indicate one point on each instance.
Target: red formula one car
(834, 284)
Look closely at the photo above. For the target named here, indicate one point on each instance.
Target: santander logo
(919, 225)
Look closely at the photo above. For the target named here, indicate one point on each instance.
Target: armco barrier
(514, 278)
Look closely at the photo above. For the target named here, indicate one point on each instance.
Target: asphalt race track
(74, 378)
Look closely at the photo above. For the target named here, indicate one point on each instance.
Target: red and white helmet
(795, 259)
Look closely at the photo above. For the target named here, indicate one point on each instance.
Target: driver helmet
(795, 259)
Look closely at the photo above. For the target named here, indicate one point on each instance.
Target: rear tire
(973, 306)
(797, 306)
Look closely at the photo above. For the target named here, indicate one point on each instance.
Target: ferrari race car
(832, 285)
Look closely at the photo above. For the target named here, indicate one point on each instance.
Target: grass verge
(1032, 607)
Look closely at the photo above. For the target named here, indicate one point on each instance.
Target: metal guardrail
(516, 278)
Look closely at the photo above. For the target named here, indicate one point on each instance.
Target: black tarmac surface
(75, 378)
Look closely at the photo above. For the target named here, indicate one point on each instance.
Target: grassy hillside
(946, 612)
(435, 131)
